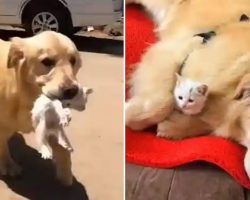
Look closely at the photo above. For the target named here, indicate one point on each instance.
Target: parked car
(66, 16)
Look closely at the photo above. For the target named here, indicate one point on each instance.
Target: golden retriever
(46, 63)
(179, 20)
(221, 63)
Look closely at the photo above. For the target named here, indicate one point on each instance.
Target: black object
(206, 36)
(244, 18)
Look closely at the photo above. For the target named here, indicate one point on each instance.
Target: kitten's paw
(45, 153)
(68, 114)
(65, 117)
(69, 148)
(65, 145)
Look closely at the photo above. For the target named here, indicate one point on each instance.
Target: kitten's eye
(72, 61)
(180, 97)
(48, 62)
(190, 100)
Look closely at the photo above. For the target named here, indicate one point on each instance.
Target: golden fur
(221, 63)
(23, 76)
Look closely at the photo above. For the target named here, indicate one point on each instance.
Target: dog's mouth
(60, 95)
(52, 95)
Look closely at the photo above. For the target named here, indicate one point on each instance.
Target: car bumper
(81, 20)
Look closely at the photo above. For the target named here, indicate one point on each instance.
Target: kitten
(190, 95)
(49, 119)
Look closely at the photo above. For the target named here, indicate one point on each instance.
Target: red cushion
(145, 148)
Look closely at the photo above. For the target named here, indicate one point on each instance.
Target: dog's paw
(45, 153)
(164, 130)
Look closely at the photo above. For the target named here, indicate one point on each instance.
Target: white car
(66, 16)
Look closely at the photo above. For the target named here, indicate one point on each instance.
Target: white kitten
(190, 95)
(50, 118)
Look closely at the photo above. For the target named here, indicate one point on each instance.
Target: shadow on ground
(88, 44)
(38, 178)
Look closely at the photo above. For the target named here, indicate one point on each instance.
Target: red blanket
(145, 148)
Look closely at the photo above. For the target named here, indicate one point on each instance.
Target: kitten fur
(49, 119)
(190, 96)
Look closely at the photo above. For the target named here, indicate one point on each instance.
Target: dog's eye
(180, 97)
(72, 61)
(48, 62)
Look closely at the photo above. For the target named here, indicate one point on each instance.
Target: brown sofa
(195, 181)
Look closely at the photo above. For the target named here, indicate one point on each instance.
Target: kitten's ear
(203, 89)
(178, 78)
(87, 90)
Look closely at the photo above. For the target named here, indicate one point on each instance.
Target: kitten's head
(190, 95)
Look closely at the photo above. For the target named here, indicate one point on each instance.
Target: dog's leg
(153, 81)
(247, 162)
(62, 160)
(243, 137)
(7, 164)
(179, 126)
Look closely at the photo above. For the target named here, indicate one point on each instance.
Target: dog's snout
(70, 93)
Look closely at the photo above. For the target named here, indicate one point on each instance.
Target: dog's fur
(220, 63)
(23, 77)
(182, 20)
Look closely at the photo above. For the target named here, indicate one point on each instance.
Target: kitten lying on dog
(190, 96)
(49, 118)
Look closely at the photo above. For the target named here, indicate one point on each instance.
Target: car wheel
(77, 29)
(41, 19)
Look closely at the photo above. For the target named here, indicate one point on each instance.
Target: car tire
(44, 18)
(76, 30)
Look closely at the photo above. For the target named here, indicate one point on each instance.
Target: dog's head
(48, 60)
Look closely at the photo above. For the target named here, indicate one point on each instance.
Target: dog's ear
(16, 52)
(243, 88)
(242, 91)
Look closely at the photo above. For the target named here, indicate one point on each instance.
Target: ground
(96, 135)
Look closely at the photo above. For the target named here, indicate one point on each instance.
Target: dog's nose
(70, 93)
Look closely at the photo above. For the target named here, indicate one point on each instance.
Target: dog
(178, 21)
(222, 62)
(43, 64)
